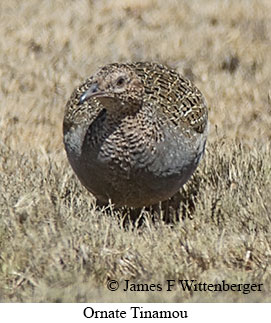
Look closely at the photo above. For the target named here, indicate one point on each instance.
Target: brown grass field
(56, 245)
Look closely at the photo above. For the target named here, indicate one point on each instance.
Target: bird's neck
(117, 110)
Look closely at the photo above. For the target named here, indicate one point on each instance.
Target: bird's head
(114, 85)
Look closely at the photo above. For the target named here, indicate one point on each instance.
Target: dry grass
(56, 245)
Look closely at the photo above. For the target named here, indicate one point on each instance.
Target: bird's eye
(120, 81)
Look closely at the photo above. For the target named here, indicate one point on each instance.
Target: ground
(56, 244)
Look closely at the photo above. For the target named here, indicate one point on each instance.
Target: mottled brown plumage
(134, 133)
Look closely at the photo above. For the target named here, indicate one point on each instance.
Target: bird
(134, 133)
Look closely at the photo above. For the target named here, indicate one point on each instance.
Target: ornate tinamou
(135, 133)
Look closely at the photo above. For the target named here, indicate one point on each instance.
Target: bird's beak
(91, 92)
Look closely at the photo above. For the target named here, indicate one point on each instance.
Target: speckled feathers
(134, 133)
